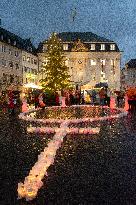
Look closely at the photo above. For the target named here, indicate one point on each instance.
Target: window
(93, 62)
(24, 58)
(3, 62)
(66, 62)
(92, 47)
(9, 40)
(30, 49)
(102, 61)
(11, 64)
(4, 77)
(3, 48)
(35, 62)
(25, 69)
(113, 62)
(102, 47)
(45, 62)
(11, 78)
(45, 48)
(65, 47)
(1, 37)
(16, 53)
(10, 52)
(112, 47)
(17, 66)
(32, 60)
(28, 59)
(102, 76)
(15, 43)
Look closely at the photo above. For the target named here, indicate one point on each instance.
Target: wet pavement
(98, 169)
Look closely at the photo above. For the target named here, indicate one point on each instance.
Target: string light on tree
(55, 68)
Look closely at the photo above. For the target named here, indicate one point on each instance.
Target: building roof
(83, 36)
(131, 63)
(24, 44)
(85, 39)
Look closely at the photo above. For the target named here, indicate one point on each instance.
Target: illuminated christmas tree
(55, 72)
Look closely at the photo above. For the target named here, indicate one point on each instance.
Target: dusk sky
(113, 19)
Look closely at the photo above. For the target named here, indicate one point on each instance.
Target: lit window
(93, 62)
(28, 59)
(92, 47)
(102, 47)
(9, 40)
(66, 62)
(102, 61)
(112, 47)
(112, 62)
(65, 47)
(45, 62)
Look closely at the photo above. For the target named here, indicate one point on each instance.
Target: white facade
(10, 66)
(29, 68)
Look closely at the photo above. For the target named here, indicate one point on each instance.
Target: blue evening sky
(113, 19)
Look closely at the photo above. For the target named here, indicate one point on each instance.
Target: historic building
(91, 59)
(128, 74)
(29, 64)
(13, 66)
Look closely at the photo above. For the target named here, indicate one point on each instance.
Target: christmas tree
(55, 72)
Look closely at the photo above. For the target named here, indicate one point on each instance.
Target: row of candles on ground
(33, 181)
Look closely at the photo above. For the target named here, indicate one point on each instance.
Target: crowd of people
(11, 102)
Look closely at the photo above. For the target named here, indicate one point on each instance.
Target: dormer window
(45, 48)
(65, 47)
(92, 47)
(9, 41)
(112, 47)
(3, 48)
(15, 43)
(30, 49)
(102, 47)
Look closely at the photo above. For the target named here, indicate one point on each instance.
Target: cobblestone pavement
(98, 169)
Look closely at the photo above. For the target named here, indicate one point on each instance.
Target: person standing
(102, 96)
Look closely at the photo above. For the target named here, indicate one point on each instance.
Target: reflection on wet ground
(98, 169)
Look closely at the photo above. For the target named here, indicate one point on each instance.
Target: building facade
(91, 59)
(13, 68)
(128, 75)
